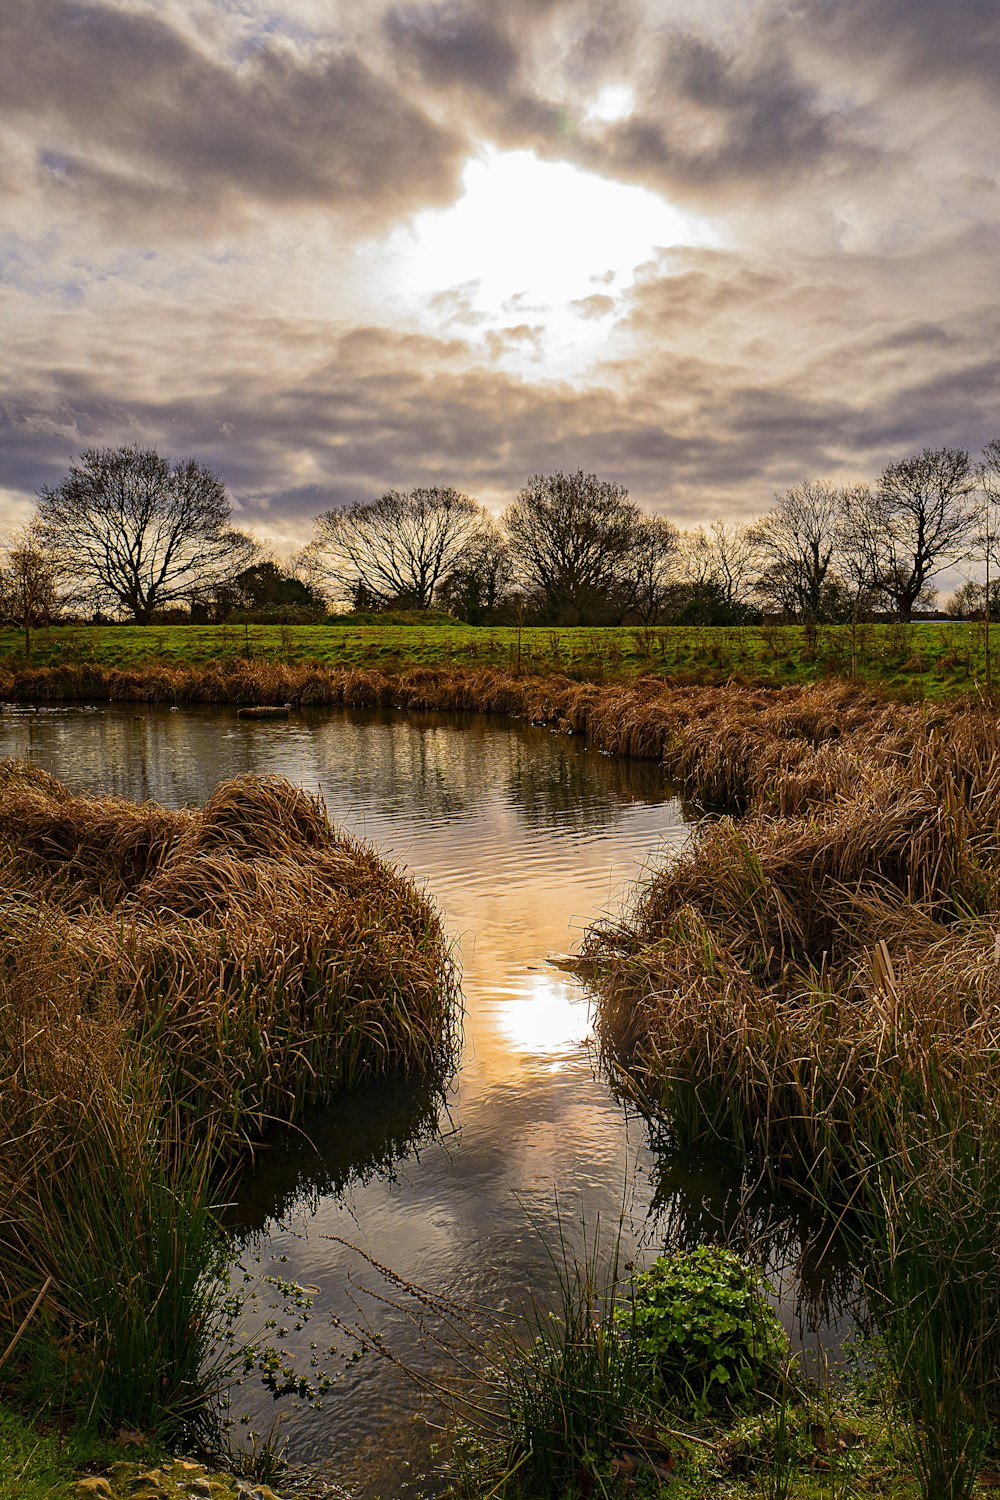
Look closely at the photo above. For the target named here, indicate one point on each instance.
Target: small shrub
(702, 1319)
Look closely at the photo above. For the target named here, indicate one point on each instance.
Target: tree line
(130, 535)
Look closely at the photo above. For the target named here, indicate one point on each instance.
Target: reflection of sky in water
(522, 837)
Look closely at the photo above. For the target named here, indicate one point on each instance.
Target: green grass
(932, 659)
(38, 1464)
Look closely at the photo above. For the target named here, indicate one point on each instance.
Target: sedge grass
(575, 1385)
(817, 983)
(170, 985)
(267, 959)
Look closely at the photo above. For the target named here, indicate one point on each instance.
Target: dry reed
(271, 958)
(170, 984)
(794, 979)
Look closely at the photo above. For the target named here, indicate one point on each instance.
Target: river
(522, 837)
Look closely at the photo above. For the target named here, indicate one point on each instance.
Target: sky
(703, 248)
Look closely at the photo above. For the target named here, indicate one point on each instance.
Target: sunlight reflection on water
(522, 837)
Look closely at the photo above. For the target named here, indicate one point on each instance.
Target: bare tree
(796, 546)
(30, 578)
(922, 518)
(650, 571)
(140, 532)
(721, 556)
(858, 556)
(398, 549)
(970, 599)
(573, 538)
(988, 476)
(479, 586)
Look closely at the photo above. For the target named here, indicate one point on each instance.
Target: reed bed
(816, 984)
(829, 947)
(722, 741)
(171, 983)
(269, 958)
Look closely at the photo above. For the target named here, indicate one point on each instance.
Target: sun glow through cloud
(527, 240)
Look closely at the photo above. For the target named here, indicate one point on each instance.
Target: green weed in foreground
(703, 1322)
(582, 1413)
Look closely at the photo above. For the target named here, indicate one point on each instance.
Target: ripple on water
(522, 837)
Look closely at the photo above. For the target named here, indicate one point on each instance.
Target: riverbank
(774, 752)
(171, 985)
(927, 659)
(816, 985)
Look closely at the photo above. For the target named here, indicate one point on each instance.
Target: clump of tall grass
(818, 984)
(170, 984)
(269, 959)
(573, 1390)
(932, 1216)
(109, 1212)
(786, 974)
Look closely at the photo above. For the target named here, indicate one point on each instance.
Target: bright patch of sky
(526, 240)
(616, 101)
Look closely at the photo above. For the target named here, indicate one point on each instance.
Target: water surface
(522, 837)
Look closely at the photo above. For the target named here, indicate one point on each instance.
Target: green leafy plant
(702, 1320)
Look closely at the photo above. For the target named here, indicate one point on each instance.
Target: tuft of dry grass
(795, 979)
(171, 983)
(270, 958)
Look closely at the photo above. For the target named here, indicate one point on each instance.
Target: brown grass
(171, 983)
(795, 980)
(270, 959)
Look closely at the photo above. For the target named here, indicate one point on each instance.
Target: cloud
(451, 45)
(597, 305)
(203, 197)
(151, 128)
(924, 42)
(712, 117)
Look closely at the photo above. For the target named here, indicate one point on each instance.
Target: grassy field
(928, 659)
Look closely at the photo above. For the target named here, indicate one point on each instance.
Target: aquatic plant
(170, 984)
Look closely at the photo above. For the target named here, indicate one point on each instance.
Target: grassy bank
(171, 983)
(926, 659)
(816, 983)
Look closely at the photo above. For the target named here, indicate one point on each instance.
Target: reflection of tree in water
(360, 1136)
(562, 784)
(809, 1256)
(455, 764)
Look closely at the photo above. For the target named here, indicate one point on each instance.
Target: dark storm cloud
(451, 45)
(710, 119)
(135, 109)
(846, 317)
(923, 41)
(376, 410)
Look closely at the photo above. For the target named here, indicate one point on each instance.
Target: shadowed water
(522, 837)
